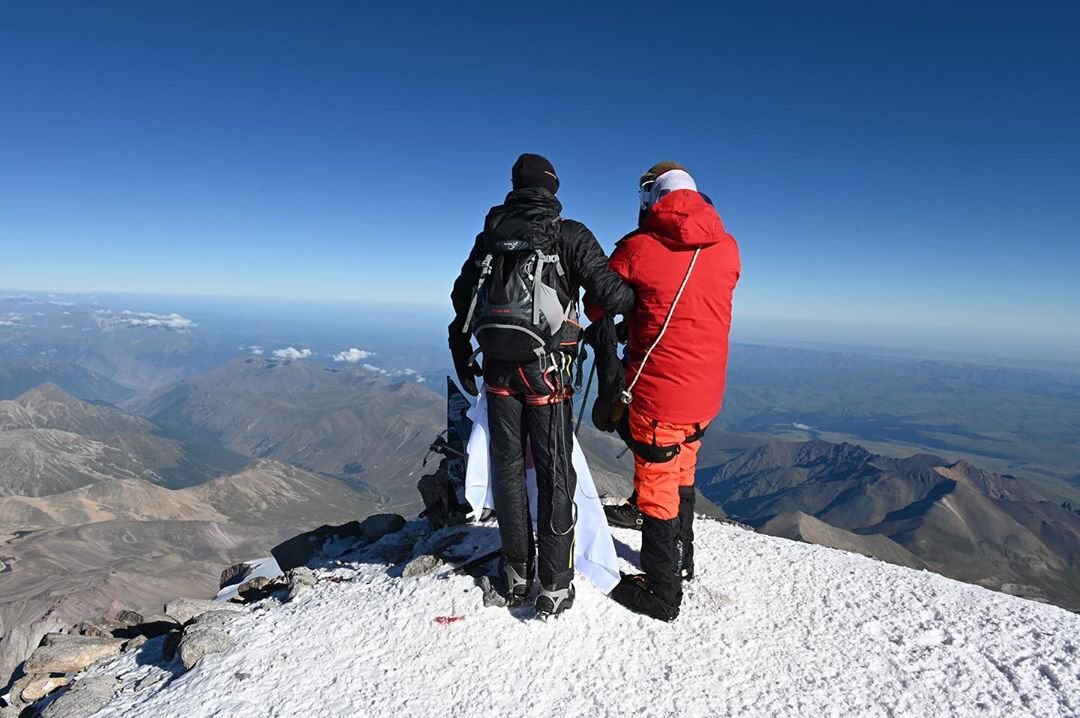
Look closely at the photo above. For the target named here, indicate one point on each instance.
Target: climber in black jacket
(530, 399)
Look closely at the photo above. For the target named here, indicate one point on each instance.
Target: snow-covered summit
(770, 627)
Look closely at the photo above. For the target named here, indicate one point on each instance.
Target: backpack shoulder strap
(485, 270)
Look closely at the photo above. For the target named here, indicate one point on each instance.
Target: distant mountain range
(51, 442)
(351, 424)
(20, 377)
(923, 512)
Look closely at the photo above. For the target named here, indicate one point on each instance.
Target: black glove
(622, 332)
(606, 415)
(465, 364)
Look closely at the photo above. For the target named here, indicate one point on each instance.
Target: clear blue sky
(906, 162)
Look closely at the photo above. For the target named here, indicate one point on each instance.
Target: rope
(627, 396)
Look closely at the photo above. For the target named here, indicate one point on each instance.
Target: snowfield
(770, 627)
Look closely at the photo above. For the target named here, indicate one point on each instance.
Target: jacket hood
(531, 198)
(529, 204)
(683, 219)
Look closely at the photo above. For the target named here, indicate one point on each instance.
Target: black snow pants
(530, 402)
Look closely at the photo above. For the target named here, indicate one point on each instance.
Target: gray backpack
(516, 313)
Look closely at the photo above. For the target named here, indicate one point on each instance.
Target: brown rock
(33, 688)
(20, 642)
(183, 610)
(234, 574)
(200, 641)
(135, 643)
(84, 698)
(258, 588)
(61, 653)
(130, 618)
(102, 627)
(421, 565)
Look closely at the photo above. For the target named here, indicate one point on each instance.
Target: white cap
(668, 183)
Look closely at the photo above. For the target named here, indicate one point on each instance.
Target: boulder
(301, 579)
(201, 641)
(20, 642)
(102, 627)
(183, 610)
(32, 688)
(258, 588)
(61, 653)
(130, 618)
(134, 644)
(376, 526)
(214, 619)
(421, 565)
(234, 574)
(84, 698)
(300, 550)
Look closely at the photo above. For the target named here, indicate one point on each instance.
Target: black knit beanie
(534, 171)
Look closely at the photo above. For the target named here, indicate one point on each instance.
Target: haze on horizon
(884, 170)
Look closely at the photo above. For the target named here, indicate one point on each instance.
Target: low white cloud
(396, 373)
(257, 351)
(149, 319)
(107, 319)
(353, 355)
(10, 320)
(292, 353)
(802, 427)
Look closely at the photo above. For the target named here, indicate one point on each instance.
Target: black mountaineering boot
(516, 582)
(552, 602)
(658, 592)
(624, 516)
(686, 532)
(633, 592)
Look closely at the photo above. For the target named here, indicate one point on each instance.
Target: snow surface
(770, 627)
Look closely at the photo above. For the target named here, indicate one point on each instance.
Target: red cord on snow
(447, 620)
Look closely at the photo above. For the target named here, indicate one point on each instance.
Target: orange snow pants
(657, 484)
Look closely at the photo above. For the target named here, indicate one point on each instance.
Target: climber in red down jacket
(680, 256)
